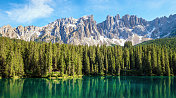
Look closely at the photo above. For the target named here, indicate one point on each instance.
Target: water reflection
(90, 87)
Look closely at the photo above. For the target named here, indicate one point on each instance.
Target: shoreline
(81, 76)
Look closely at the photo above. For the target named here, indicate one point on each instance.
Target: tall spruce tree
(159, 68)
(126, 57)
(49, 56)
(167, 67)
(163, 61)
(174, 63)
(153, 60)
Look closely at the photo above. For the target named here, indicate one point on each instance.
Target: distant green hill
(168, 42)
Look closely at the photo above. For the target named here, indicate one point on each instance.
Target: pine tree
(159, 68)
(92, 58)
(163, 61)
(170, 60)
(36, 68)
(132, 59)
(2, 58)
(86, 63)
(106, 63)
(101, 64)
(20, 70)
(110, 63)
(79, 65)
(154, 60)
(73, 61)
(138, 59)
(68, 62)
(49, 59)
(128, 44)
(9, 68)
(113, 65)
(119, 61)
(149, 67)
(62, 64)
(87, 66)
(54, 56)
(126, 57)
(174, 63)
(96, 60)
(41, 60)
(167, 66)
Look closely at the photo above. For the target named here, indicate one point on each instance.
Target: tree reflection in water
(90, 87)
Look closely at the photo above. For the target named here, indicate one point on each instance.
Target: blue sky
(42, 12)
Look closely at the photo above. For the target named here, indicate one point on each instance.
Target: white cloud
(33, 10)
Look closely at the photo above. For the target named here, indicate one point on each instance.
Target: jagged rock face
(8, 31)
(85, 30)
(124, 28)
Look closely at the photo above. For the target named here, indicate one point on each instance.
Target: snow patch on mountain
(71, 25)
(85, 31)
(150, 33)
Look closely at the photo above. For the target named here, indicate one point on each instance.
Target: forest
(40, 59)
(169, 42)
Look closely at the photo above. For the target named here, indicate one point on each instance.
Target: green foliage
(128, 44)
(31, 59)
(167, 42)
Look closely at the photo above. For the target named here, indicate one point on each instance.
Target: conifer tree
(20, 70)
(174, 63)
(154, 59)
(138, 59)
(92, 58)
(3, 57)
(163, 61)
(36, 68)
(62, 64)
(126, 58)
(159, 68)
(106, 63)
(86, 62)
(149, 68)
(79, 68)
(167, 67)
(49, 56)
(101, 64)
(68, 62)
(128, 44)
(9, 68)
(132, 59)
(113, 65)
(110, 61)
(73, 61)
(54, 56)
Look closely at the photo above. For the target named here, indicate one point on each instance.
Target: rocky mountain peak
(117, 17)
(85, 30)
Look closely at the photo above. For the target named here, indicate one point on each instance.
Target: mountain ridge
(85, 30)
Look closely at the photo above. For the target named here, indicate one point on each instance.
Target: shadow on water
(90, 87)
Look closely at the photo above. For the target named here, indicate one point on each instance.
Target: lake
(90, 87)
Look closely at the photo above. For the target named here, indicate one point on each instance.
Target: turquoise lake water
(90, 87)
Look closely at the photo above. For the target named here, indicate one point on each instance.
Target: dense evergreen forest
(167, 42)
(32, 59)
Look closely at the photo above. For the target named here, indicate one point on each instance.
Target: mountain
(85, 30)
